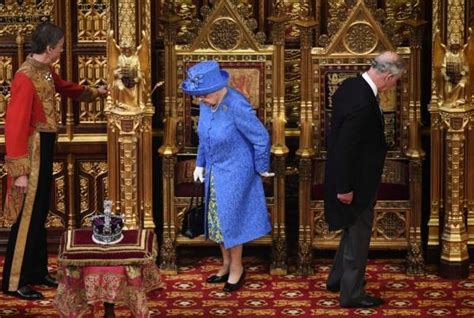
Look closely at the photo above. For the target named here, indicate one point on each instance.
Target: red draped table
(91, 274)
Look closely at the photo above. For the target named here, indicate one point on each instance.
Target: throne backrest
(225, 36)
(358, 41)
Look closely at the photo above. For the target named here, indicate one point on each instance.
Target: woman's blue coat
(235, 145)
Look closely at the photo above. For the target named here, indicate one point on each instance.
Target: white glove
(267, 174)
(198, 174)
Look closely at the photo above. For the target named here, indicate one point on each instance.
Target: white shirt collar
(370, 82)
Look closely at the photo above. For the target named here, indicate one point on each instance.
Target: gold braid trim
(89, 94)
(18, 166)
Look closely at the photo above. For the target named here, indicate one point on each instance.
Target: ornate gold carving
(187, 11)
(225, 13)
(415, 260)
(360, 38)
(3, 176)
(127, 21)
(90, 174)
(395, 172)
(6, 76)
(454, 236)
(278, 265)
(338, 28)
(292, 86)
(338, 12)
(92, 22)
(92, 72)
(396, 13)
(452, 68)
(455, 22)
(390, 225)
(224, 34)
(305, 265)
(84, 192)
(54, 221)
(129, 76)
(21, 17)
(168, 253)
(60, 186)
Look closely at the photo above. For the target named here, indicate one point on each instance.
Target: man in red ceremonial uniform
(30, 135)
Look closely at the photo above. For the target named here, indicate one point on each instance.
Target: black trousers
(349, 265)
(35, 260)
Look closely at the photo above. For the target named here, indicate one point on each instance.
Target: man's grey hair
(384, 64)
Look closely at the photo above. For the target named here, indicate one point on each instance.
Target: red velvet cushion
(77, 248)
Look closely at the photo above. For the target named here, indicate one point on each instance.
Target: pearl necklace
(216, 106)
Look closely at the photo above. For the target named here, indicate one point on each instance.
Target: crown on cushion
(107, 227)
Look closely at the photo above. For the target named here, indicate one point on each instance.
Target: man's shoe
(217, 279)
(365, 302)
(27, 293)
(48, 281)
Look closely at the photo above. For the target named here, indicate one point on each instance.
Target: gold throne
(398, 209)
(225, 37)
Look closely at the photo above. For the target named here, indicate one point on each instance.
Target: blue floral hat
(204, 78)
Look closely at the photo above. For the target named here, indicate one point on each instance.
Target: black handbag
(193, 220)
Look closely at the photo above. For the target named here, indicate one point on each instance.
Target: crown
(106, 227)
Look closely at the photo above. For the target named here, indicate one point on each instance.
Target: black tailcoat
(356, 152)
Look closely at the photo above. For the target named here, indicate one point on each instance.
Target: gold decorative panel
(224, 34)
(3, 186)
(6, 76)
(59, 108)
(455, 22)
(57, 214)
(22, 16)
(92, 72)
(92, 20)
(127, 21)
(188, 13)
(292, 87)
(360, 38)
(391, 225)
(92, 188)
(295, 9)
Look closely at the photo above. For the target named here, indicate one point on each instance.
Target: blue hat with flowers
(204, 78)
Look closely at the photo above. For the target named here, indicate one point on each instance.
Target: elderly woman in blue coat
(233, 155)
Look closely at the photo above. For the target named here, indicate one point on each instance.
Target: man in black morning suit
(355, 160)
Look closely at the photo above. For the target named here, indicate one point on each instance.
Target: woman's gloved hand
(198, 174)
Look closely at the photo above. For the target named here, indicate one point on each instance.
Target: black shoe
(365, 302)
(336, 288)
(229, 287)
(27, 293)
(217, 279)
(48, 281)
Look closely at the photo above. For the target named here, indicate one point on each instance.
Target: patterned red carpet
(264, 295)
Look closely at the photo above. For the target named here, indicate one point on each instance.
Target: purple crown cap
(107, 227)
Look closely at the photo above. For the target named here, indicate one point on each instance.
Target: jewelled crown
(107, 227)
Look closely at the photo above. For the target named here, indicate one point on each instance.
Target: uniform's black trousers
(348, 269)
(35, 261)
